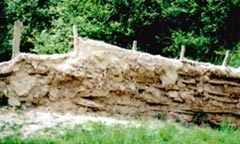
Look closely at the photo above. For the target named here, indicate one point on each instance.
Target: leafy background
(206, 27)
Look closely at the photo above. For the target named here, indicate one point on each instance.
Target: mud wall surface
(102, 77)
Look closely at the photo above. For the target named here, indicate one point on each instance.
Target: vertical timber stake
(182, 53)
(225, 61)
(75, 39)
(16, 39)
(134, 47)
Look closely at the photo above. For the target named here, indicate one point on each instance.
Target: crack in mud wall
(110, 79)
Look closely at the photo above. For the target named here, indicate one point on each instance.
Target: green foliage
(110, 21)
(202, 26)
(193, 43)
(207, 28)
(200, 118)
(235, 55)
(34, 15)
(92, 133)
(160, 117)
(50, 42)
(4, 36)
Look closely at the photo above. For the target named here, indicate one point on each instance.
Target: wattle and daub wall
(107, 78)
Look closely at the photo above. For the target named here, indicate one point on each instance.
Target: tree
(35, 17)
(207, 28)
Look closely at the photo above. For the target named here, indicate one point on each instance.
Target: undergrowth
(144, 133)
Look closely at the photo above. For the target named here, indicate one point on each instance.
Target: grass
(145, 133)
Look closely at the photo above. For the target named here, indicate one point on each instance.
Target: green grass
(99, 133)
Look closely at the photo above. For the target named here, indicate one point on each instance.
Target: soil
(29, 121)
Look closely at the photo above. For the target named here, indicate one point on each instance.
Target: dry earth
(29, 122)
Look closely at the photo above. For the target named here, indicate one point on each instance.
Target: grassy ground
(144, 133)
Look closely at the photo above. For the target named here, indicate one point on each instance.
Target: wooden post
(182, 53)
(134, 47)
(227, 56)
(75, 39)
(16, 39)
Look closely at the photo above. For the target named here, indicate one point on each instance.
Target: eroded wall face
(113, 80)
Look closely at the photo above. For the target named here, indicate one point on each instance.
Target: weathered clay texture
(114, 80)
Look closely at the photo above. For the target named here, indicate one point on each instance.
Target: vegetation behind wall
(207, 28)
